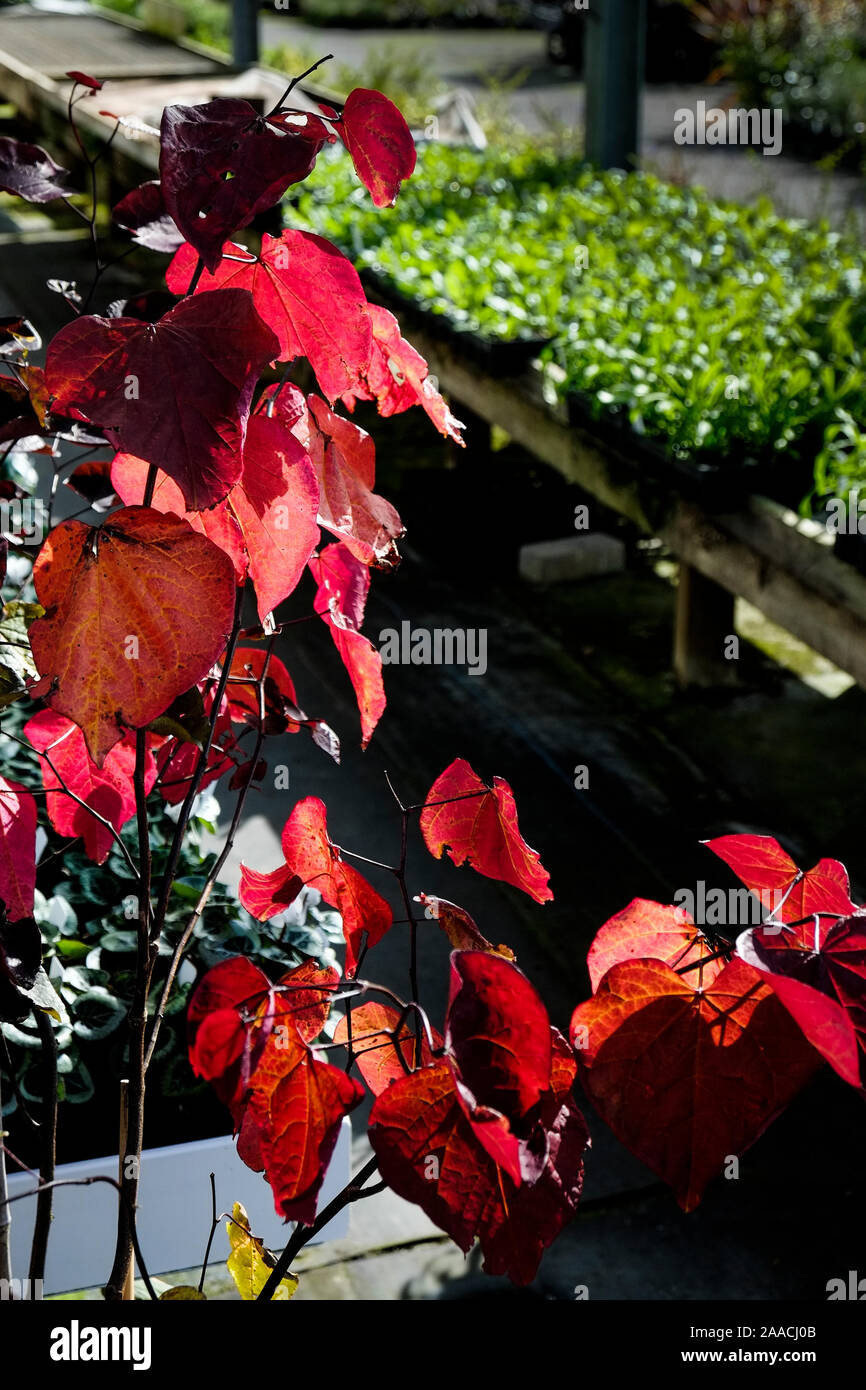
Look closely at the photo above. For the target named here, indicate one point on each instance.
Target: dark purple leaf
(143, 212)
(27, 171)
(221, 163)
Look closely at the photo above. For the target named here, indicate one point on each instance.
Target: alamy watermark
(851, 1289)
(438, 646)
(24, 519)
(77, 1343)
(21, 1290)
(732, 907)
(847, 515)
(735, 126)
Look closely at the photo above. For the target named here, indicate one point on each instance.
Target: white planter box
(173, 1216)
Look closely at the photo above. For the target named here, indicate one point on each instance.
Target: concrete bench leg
(706, 648)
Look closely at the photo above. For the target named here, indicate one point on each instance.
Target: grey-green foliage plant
(86, 916)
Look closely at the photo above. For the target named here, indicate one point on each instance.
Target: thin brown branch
(302, 1234)
(47, 1144)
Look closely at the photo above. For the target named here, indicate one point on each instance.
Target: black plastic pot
(717, 483)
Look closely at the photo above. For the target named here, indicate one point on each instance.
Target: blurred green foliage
(808, 59)
(417, 12)
(714, 327)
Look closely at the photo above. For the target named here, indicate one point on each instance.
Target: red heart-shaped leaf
(136, 611)
(478, 825)
(379, 141)
(340, 600)
(817, 969)
(687, 1078)
(306, 291)
(176, 393)
(767, 871)
(650, 930)
(397, 377)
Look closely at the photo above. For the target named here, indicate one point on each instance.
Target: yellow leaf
(183, 1291)
(250, 1264)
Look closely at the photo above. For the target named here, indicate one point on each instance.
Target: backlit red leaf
(17, 848)
(136, 611)
(306, 291)
(108, 789)
(687, 1078)
(650, 930)
(477, 824)
(498, 1042)
(129, 479)
(767, 871)
(429, 1154)
(266, 895)
(306, 997)
(340, 599)
(296, 1107)
(235, 1008)
(817, 969)
(177, 758)
(459, 927)
(379, 141)
(268, 519)
(275, 502)
(247, 666)
(375, 1039)
(312, 858)
(222, 1047)
(397, 377)
(344, 459)
(176, 393)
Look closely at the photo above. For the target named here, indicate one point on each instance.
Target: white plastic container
(174, 1211)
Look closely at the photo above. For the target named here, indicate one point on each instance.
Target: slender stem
(146, 959)
(201, 765)
(196, 276)
(218, 864)
(413, 928)
(374, 863)
(464, 796)
(144, 863)
(787, 893)
(6, 1202)
(215, 1221)
(48, 1143)
(5, 1213)
(150, 485)
(91, 163)
(294, 82)
(302, 1234)
(705, 960)
(128, 1186)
